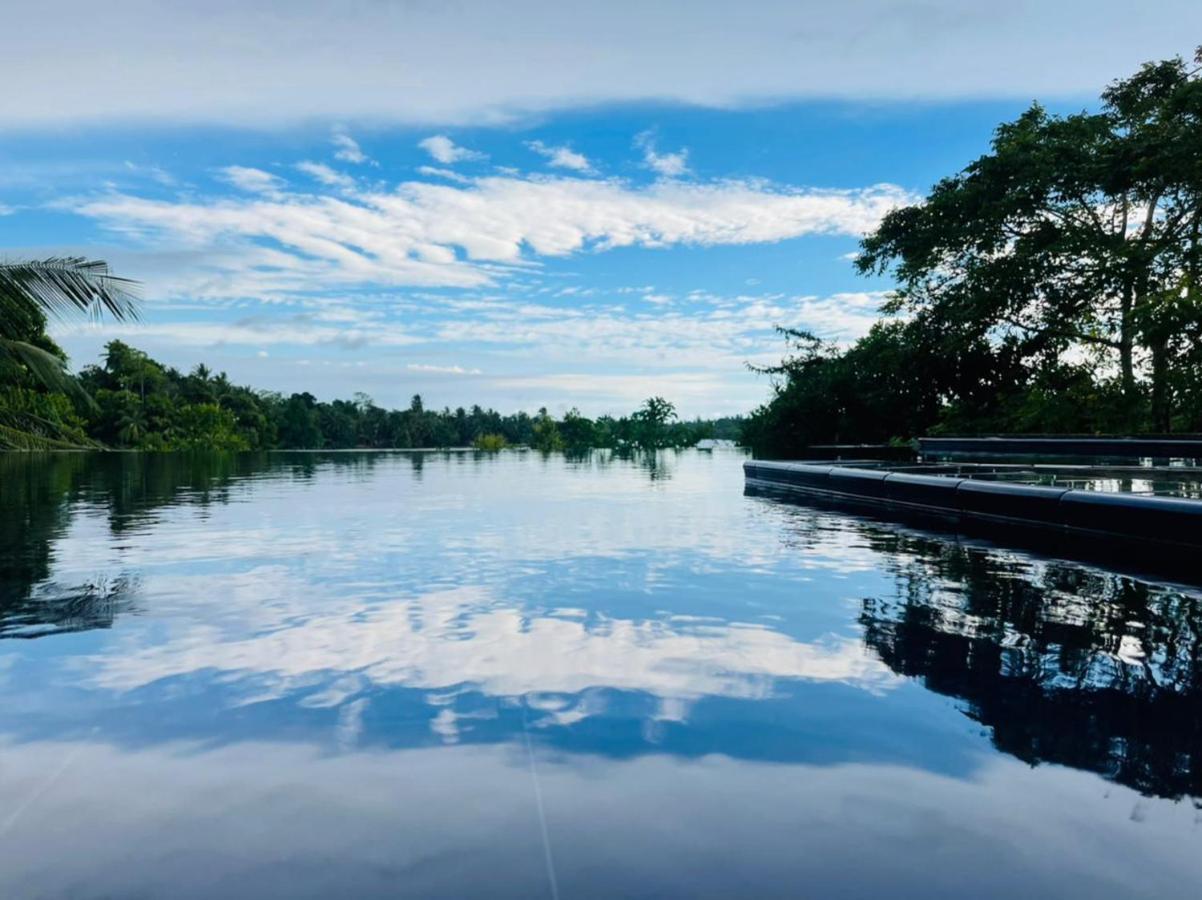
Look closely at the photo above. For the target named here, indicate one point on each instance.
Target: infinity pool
(466, 675)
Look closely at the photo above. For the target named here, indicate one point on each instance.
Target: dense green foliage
(35, 411)
(653, 426)
(1053, 285)
(131, 401)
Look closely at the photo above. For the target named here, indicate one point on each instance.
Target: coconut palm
(32, 291)
(131, 427)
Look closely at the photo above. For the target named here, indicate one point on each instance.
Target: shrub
(490, 443)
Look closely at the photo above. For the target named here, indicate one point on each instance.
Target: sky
(518, 205)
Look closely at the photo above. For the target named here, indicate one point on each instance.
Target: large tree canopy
(1075, 237)
(1050, 286)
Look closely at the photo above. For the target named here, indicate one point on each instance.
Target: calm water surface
(453, 675)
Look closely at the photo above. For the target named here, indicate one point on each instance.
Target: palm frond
(26, 431)
(45, 367)
(64, 285)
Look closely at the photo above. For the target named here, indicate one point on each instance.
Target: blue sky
(557, 204)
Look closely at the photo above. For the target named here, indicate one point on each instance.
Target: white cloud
(295, 331)
(325, 174)
(670, 165)
(562, 157)
(442, 370)
(252, 180)
(348, 148)
(423, 63)
(669, 659)
(353, 263)
(709, 341)
(688, 390)
(155, 173)
(465, 235)
(446, 151)
(600, 357)
(448, 174)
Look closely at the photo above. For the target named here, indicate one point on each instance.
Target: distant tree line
(1051, 286)
(652, 426)
(131, 401)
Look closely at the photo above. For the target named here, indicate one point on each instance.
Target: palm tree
(59, 287)
(31, 292)
(132, 426)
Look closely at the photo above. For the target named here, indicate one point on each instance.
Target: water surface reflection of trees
(1064, 664)
(41, 493)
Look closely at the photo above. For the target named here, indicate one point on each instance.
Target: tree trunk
(1162, 413)
(1127, 357)
(1126, 339)
(1126, 361)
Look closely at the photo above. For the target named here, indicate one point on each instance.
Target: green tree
(32, 367)
(298, 426)
(130, 369)
(131, 426)
(546, 436)
(886, 385)
(651, 423)
(205, 426)
(60, 287)
(1074, 234)
(577, 432)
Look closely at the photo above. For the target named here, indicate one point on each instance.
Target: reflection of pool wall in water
(961, 494)
(1112, 685)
